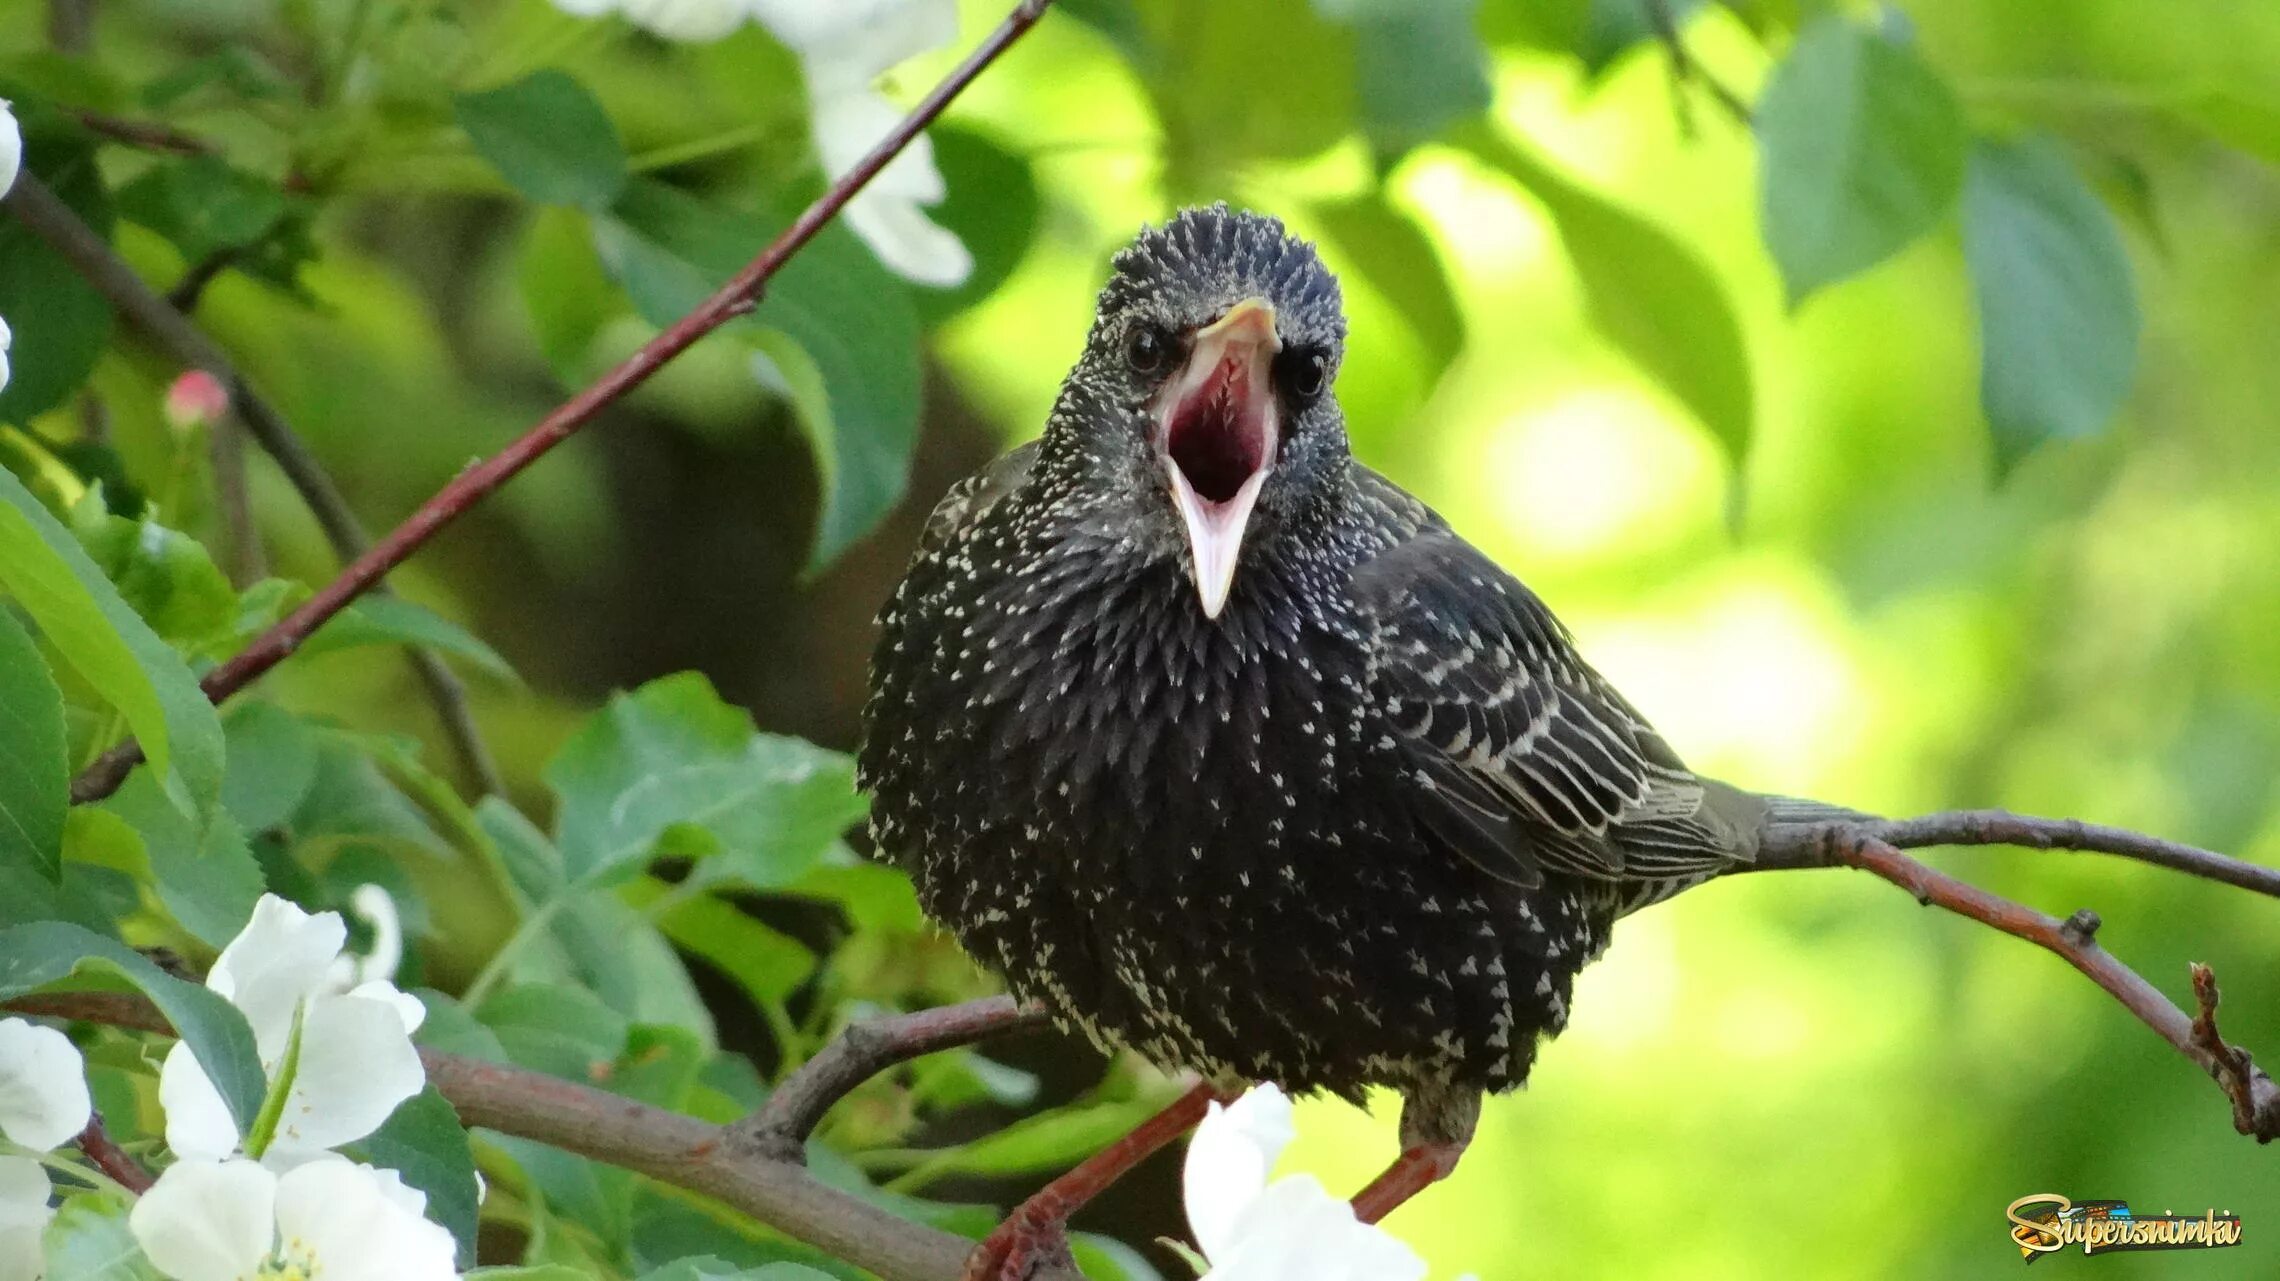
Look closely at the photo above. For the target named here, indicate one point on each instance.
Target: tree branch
(110, 1158)
(2254, 1097)
(737, 297)
(680, 1150)
(780, 1129)
(2001, 827)
(53, 221)
(1684, 70)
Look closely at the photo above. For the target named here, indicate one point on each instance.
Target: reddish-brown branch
(2001, 827)
(112, 1159)
(2254, 1097)
(150, 135)
(668, 1146)
(473, 485)
(780, 1129)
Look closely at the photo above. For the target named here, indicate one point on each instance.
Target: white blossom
(24, 1215)
(238, 1220)
(11, 147)
(43, 1086)
(350, 1046)
(1291, 1229)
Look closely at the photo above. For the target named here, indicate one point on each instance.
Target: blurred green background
(1781, 530)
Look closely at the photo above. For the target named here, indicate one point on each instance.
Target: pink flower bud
(195, 399)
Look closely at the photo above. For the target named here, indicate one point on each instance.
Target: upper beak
(1217, 428)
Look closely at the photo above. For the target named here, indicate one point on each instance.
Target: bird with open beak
(1228, 751)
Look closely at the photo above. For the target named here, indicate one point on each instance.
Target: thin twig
(2255, 1099)
(1684, 70)
(112, 1159)
(667, 1146)
(189, 290)
(150, 135)
(780, 1129)
(241, 539)
(477, 482)
(39, 209)
(2001, 827)
(2233, 1067)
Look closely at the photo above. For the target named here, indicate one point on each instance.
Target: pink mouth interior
(1218, 436)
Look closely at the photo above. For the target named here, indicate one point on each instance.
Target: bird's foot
(1416, 1169)
(1035, 1237)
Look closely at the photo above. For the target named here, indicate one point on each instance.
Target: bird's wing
(1525, 758)
(966, 501)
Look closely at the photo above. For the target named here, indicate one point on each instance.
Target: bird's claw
(1034, 1238)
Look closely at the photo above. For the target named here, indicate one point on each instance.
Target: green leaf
(1646, 292)
(711, 1269)
(208, 879)
(542, 1272)
(61, 324)
(109, 645)
(1393, 254)
(992, 206)
(203, 205)
(1418, 67)
(549, 137)
(166, 575)
(88, 1240)
(1612, 28)
(767, 964)
(1864, 150)
(35, 773)
(272, 764)
(850, 319)
(423, 1141)
(43, 952)
(568, 294)
(2058, 316)
(392, 620)
(1051, 1140)
(1107, 1259)
(553, 1028)
(671, 755)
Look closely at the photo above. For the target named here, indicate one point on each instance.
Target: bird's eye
(1148, 349)
(1303, 372)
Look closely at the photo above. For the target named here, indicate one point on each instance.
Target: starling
(1229, 751)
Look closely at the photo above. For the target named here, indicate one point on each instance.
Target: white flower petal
(407, 1006)
(909, 243)
(24, 1192)
(848, 125)
(281, 958)
(1297, 1231)
(208, 1220)
(697, 21)
(5, 339)
(360, 1224)
(11, 154)
(377, 909)
(357, 1064)
(22, 1254)
(1228, 1160)
(43, 1086)
(586, 8)
(852, 41)
(198, 1123)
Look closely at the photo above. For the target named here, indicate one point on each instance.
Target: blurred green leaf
(668, 1228)
(392, 620)
(35, 773)
(1418, 67)
(670, 754)
(1119, 21)
(566, 291)
(1390, 251)
(1611, 28)
(540, 1272)
(106, 642)
(35, 955)
(710, 1269)
(767, 964)
(549, 137)
(166, 575)
(1646, 292)
(1238, 83)
(203, 205)
(2058, 316)
(855, 322)
(88, 1240)
(272, 757)
(1050, 1140)
(423, 1141)
(992, 206)
(1863, 152)
(1107, 1259)
(61, 324)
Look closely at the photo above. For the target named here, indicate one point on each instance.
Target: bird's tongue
(1219, 444)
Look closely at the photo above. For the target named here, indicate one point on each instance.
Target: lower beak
(1217, 430)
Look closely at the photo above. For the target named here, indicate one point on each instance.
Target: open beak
(1216, 432)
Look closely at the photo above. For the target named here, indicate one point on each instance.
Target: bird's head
(1201, 406)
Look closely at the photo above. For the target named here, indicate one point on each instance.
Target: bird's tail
(1789, 811)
